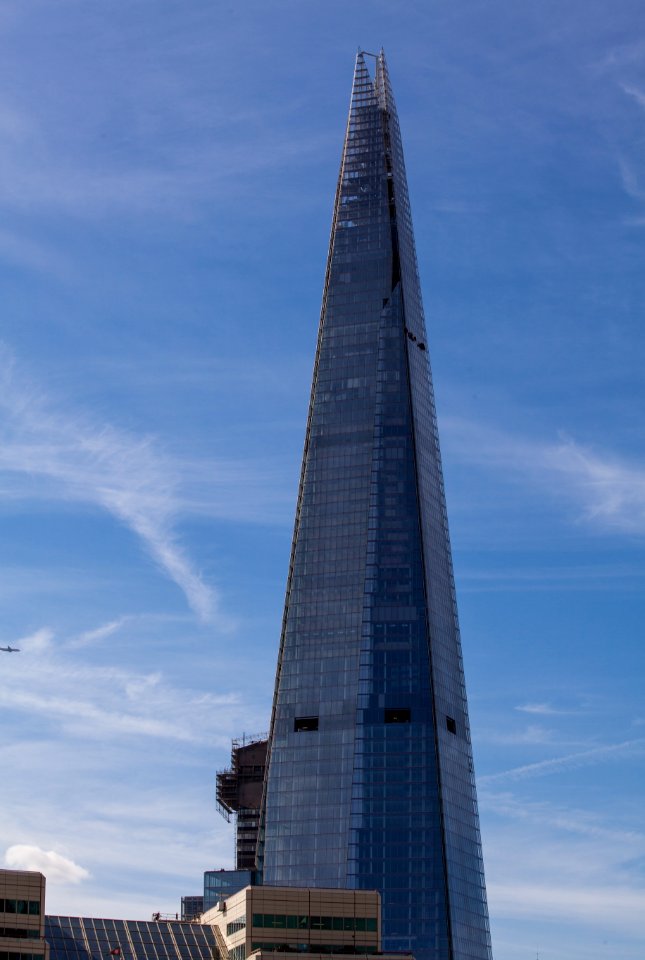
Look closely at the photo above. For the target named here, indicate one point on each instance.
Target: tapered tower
(370, 777)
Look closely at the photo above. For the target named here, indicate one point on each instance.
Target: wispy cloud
(36, 642)
(55, 866)
(566, 820)
(175, 177)
(98, 634)
(577, 864)
(613, 577)
(97, 463)
(543, 710)
(619, 908)
(571, 761)
(102, 722)
(23, 252)
(635, 93)
(607, 491)
(90, 701)
(631, 181)
(534, 734)
(622, 55)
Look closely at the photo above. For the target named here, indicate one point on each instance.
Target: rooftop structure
(239, 794)
(93, 938)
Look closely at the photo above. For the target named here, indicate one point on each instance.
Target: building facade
(288, 920)
(220, 884)
(370, 780)
(26, 933)
(22, 916)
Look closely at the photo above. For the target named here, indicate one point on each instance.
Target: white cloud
(98, 633)
(24, 252)
(36, 642)
(635, 94)
(98, 702)
(86, 701)
(607, 491)
(99, 464)
(135, 688)
(542, 709)
(630, 180)
(531, 735)
(81, 715)
(38, 167)
(623, 55)
(571, 761)
(53, 865)
(564, 820)
(620, 908)
(577, 865)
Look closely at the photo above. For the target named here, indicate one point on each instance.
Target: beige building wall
(298, 920)
(22, 916)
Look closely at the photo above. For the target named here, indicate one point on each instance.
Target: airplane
(10, 649)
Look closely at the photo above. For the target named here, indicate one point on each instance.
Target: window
(397, 715)
(302, 724)
(451, 724)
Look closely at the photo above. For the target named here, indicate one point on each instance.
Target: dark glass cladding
(88, 938)
(382, 795)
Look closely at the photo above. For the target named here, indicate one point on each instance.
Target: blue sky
(167, 172)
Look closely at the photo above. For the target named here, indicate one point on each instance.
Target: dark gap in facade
(397, 715)
(302, 724)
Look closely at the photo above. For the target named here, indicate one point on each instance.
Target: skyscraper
(370, 778)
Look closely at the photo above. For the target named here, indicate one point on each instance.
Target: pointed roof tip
(360, 58)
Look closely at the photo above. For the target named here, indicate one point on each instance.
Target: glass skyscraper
(370, 778)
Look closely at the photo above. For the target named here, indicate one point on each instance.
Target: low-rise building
(22, 916)
(287, 920)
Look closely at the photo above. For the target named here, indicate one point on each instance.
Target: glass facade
(220, 884)
(370, 778)
(88, 938)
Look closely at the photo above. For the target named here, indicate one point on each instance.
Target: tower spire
(369, 782)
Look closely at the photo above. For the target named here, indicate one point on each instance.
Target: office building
(26, 933)
(370, 780)
(283, 921)
(22, 916)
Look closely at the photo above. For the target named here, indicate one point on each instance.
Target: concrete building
(255, 921)
(259, 921)
(26, 933)
(22, 916)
